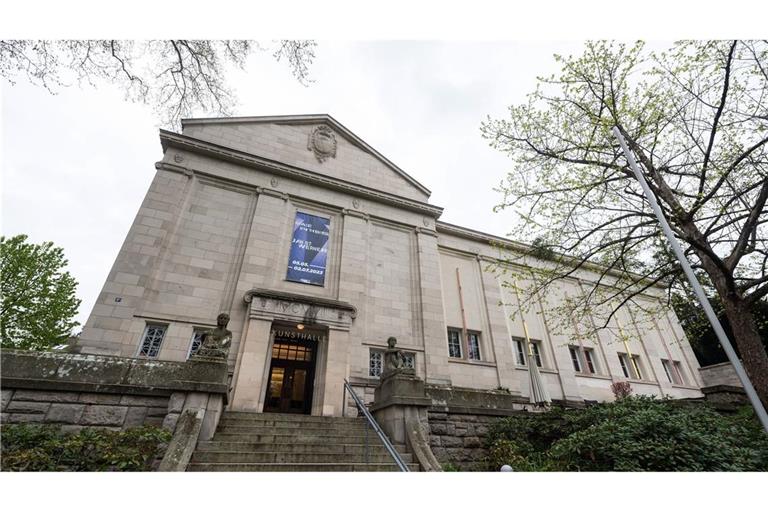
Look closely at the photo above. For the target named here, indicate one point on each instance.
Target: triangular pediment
(315, 142)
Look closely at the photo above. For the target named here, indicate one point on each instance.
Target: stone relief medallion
(425, 220)
(323, 142)
(355, 204)
(274, 182)
(178, 158)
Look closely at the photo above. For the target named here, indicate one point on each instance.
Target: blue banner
(309, 249)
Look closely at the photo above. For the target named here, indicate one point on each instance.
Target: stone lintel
(296, 308)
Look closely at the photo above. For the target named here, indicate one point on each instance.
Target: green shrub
(450, 467)
(47, 448)
(631, 434)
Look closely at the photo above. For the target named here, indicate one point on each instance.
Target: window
(521, 352)
(583, 359)
(454, 342)
(151, 340)
(473, 339)
(376, 362)
(536, 352)
(575, 358)
(519, 345)
(630, 366)
(673, 370)
(589, 357)
(197, 340)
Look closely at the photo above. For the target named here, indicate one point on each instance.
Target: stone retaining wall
(77, 410)
(458, 438)
(78, 391)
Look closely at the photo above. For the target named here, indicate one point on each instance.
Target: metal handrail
(372, 422)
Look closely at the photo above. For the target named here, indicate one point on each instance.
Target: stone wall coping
(723, 388)
(718, 365)
(109, 374)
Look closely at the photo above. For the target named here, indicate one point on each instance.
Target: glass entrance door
(291, 377)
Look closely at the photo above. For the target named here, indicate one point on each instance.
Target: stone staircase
(247, 441)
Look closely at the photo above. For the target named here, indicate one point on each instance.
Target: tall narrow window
(679, 372)
(375, 363)
(575, 358)
(473, 340)
(589, 357)
(624, 364)
(151, 340)
(520, 346)
(535, 346)
(197, 340)
(454, 342)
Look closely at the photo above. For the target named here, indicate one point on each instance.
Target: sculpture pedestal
(400, 407)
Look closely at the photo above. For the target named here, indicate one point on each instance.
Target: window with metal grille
(151, 340)
(197, 340)
(375, 363)
(473, 339)
(454, 342)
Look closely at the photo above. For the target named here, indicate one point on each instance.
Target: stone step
(298, 467)
(292, 458)
(246, 437)
(304, 418)
(284, 423)
(328, 431)
(338, 449)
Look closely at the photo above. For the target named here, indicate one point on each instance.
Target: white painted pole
(724, 341)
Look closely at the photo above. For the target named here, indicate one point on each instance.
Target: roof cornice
(506, 243)
(185, 142)
(311, 119)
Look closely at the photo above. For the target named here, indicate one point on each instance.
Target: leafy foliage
(177, 77)
(631, 434)
(29, 447)
(696, 119)
(38, 296)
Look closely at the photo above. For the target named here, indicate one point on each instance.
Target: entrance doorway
(291, 372)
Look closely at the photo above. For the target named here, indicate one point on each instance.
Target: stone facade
(214, 234)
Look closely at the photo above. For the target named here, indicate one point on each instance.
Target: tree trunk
(751, 349)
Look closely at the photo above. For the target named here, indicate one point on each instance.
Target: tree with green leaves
(696, 117)
(38, 302)
(177, 77)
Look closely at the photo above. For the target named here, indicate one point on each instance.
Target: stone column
(433, 319)
(498, 335)
(335, 370)
(252, 367)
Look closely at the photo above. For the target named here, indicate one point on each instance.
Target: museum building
(320, 249)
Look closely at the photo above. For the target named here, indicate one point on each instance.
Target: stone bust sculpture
(393, 357)
(394, 362)
(216, 342)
